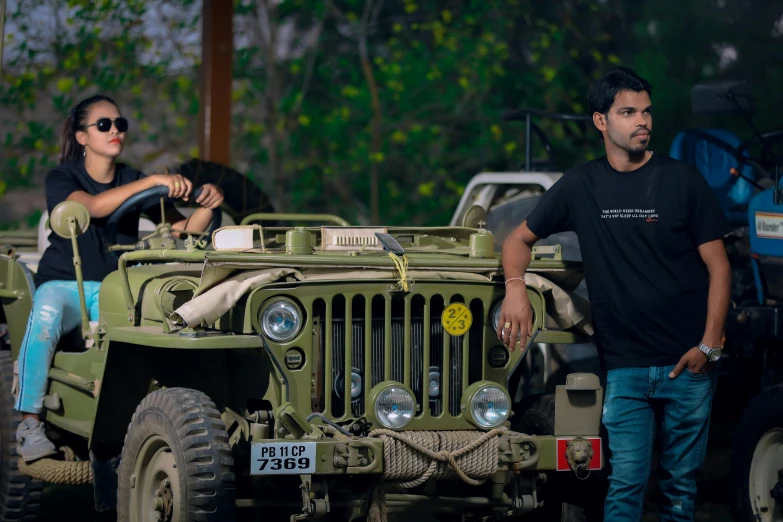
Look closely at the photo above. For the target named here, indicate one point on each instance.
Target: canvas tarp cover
(565, 309)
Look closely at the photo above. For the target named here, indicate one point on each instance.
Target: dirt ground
(714, 486)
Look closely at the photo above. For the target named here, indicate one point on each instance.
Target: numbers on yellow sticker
(456, 319)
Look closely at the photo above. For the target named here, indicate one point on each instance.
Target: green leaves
(303, 115)
(64, 52)
(64, 85)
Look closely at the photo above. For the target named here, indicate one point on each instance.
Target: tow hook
(357, 456)
(777, 492)
(579, 452)
(519, 452)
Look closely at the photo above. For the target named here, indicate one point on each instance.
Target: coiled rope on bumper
(412, 458)
(68, 471)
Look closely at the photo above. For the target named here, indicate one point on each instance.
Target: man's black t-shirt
(97, 262)
(638, 233)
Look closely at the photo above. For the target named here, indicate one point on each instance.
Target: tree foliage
(342, 103)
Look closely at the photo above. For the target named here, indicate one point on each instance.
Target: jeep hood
(217, 295)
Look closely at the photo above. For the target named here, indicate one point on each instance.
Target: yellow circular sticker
(456, 319)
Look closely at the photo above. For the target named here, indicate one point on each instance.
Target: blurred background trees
(377, 110)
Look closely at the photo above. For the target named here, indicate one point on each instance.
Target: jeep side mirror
(65, 215)
(70, 219)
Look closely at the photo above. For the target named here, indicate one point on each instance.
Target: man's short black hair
(613, 83)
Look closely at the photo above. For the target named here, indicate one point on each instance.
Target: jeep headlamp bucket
(486, 405)
(495, 315)
(393, 405)
(280, 319)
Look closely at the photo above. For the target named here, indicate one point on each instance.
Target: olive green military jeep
(301, 372)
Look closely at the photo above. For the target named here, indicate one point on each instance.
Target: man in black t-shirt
(650, 232)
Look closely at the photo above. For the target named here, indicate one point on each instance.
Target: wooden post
(217, 49)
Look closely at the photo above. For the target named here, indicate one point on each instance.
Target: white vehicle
(490, 190)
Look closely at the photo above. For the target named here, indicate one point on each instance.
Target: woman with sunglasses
(89, 174)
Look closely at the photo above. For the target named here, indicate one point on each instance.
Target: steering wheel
(161, 191)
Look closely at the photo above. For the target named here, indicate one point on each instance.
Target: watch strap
(706, 350)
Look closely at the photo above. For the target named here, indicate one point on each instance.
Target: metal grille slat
(436, 359)
(418, 367)
(406, 342)
(357, 353)
(378, 352)
(368, 371)
(398, 347)
(466, 345)
(445, 373)
(328, 348)
(425, 357)
(387, 339)
(475, 361)
(455, 371)
(348, 348)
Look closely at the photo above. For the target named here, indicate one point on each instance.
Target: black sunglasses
(104, 124)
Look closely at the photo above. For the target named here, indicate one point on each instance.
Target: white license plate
(282, 458)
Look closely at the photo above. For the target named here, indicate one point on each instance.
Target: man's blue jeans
(640, 404)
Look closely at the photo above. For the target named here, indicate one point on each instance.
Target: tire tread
(764, 412)
(203, 443)
(20, 494)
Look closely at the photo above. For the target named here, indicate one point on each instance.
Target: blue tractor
(745, 175)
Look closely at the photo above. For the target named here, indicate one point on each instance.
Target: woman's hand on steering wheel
(211, 196)
(157, 192)
(179, 186)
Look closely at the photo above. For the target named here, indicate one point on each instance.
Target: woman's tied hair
(77, 119)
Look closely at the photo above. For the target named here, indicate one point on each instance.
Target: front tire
(176, 462)
(757, 457)
(20, 494)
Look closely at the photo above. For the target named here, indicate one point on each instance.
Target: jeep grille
(384, 352)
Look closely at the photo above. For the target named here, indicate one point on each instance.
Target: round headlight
(394, 406)
(487, 404)
(495, 316)
(281, 320)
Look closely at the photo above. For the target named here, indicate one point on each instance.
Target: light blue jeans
(56, 311)
(642, 403)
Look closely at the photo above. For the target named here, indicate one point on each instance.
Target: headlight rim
(375, 393)
(265, 306)
(471, 393)
(495, 308)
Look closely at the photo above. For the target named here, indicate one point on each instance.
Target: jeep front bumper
(408, 456)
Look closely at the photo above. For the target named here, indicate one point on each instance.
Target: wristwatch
(713, 354)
